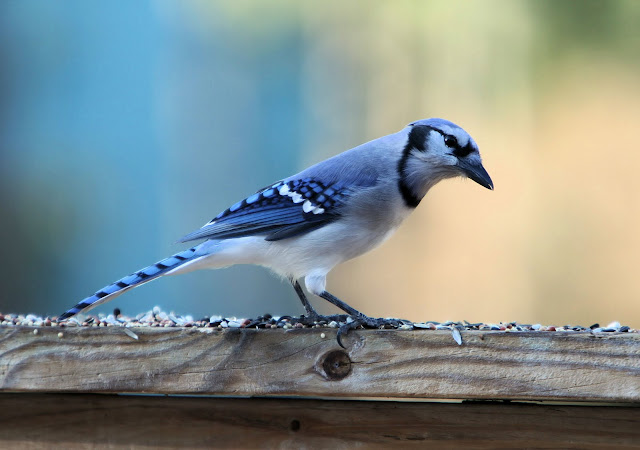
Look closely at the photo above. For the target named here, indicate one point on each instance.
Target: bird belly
(319, 251)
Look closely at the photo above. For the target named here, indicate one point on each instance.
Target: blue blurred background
(127, 124)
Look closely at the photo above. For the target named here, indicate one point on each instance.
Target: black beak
(476, 172)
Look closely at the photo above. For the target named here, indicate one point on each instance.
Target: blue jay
(304, 225)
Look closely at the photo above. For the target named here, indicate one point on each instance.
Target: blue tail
(135, 279)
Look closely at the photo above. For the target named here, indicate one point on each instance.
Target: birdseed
(158, 318)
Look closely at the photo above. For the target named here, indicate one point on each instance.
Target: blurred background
(125, 125)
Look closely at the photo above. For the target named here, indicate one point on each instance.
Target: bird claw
(356, 321)
(344, 329)
(368, 322)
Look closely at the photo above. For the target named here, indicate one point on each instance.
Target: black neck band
(417, 139)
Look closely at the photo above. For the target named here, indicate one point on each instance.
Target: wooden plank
(300, 362)
(99, 421)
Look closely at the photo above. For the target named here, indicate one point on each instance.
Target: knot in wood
(335, 365)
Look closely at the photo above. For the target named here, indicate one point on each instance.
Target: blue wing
(283, 210)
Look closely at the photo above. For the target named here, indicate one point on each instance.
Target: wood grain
(111, 421)
(377, 363)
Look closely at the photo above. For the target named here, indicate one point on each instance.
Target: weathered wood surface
(111, 421)
(299, 362)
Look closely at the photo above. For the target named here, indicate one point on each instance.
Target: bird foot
(349, 322)
(368, 322)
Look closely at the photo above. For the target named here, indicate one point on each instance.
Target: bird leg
(312, 316)
(358, 318)
(342, 305)
(311, 313)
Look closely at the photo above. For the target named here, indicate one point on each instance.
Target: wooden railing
(487, 378)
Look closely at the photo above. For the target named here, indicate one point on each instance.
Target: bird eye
(450, 141)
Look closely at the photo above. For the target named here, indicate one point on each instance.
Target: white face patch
(438, 158)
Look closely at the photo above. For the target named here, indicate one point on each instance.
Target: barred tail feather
(136, 279)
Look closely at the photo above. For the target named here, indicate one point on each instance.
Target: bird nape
(304, 225)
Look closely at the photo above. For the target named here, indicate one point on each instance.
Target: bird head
(437, 149)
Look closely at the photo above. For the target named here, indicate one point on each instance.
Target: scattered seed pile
(159, 318)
